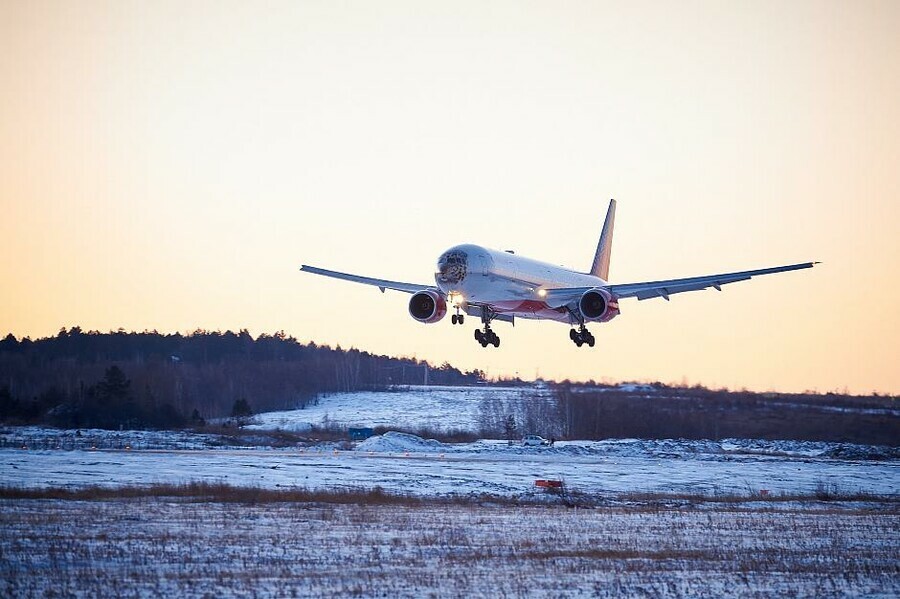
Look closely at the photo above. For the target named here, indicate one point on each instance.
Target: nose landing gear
(457, 318)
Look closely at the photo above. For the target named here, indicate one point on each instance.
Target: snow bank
(810, 449)
(393, 442)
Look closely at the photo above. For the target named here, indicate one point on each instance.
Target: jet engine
(598, 305)
(427, 306)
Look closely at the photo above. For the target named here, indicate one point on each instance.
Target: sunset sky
(169, 166)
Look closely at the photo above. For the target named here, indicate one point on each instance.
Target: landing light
(542, 293)
(456, 298)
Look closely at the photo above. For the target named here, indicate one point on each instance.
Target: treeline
(699, 413)
(152, 380)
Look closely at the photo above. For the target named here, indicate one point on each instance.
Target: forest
(658, 411)
(152, 380)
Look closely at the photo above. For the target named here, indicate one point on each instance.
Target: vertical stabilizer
(600, 267)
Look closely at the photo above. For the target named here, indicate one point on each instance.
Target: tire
(572, 334)
(579, 342)
(479, 337)
(460, 319)
(496, 341)
(453, 319)
(591, 341)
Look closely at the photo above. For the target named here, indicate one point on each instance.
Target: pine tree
(241, 409)
(509, 428)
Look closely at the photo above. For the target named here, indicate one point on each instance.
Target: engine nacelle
(598, 305)
(427, 306)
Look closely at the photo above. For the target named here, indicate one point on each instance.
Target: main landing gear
(581, 336)
(488, 336)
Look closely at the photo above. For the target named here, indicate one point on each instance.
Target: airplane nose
(453, 267)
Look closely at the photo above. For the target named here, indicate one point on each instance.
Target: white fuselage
(490, 277)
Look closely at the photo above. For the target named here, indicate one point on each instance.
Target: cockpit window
(452, 267)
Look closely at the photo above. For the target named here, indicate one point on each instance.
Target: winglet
(600, 266)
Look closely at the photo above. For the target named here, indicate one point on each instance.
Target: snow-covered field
(402, 463)
(177, 548)
(616, 544)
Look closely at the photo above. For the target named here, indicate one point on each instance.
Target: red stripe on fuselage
(530, 308)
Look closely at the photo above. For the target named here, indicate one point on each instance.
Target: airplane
(500, 285)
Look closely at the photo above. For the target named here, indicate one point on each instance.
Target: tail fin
(600, 267)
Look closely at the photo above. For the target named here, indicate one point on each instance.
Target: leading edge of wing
(382, 284)
(663, 289)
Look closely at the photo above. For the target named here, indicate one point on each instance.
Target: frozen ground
(37, 437)
(170, 547)
(402, 463)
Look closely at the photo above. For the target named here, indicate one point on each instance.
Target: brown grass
(226, 493)
(216, 492)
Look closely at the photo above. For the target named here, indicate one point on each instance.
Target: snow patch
(394, 442)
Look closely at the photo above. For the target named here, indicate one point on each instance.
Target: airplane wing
(382, 284)
(666, 288)
(650, 289)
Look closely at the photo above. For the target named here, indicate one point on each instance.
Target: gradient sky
(169, 165)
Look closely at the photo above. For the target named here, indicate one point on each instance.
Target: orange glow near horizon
(170, 165)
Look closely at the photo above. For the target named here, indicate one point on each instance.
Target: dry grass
(156, 546)
(226, 493)
(217, 492)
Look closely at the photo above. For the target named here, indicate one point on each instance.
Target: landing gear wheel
(581, 336)
(487, 337)
(461, 318)
(454, 318)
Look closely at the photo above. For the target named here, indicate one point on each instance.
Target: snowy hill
(412, 408)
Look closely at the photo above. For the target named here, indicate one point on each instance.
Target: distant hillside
(150, 379)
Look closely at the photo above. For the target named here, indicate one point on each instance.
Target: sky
(169, 166)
